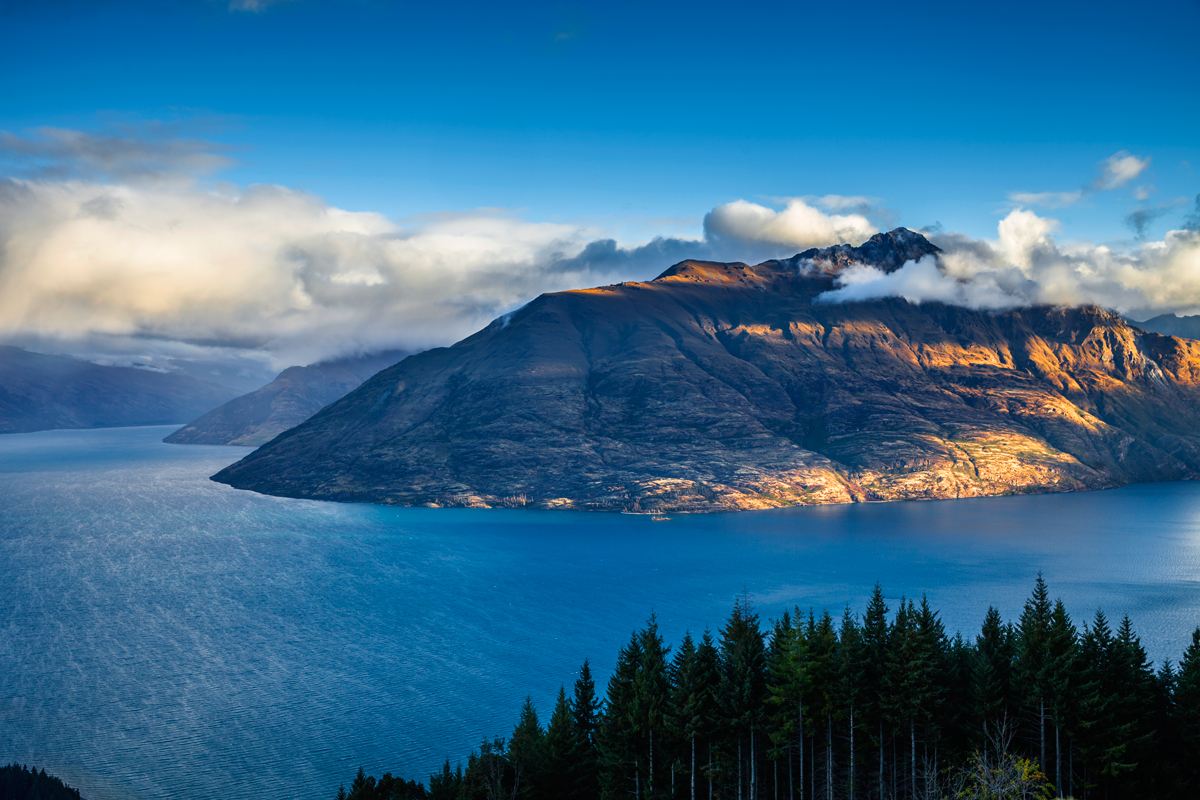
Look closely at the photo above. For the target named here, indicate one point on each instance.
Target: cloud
(796, 226)
(1024, 265)
(153, 151)
(254, 6)
(126, 244)
(1046, 199)
(857, 203)
(1119, 169)
(263, 267)
(1115, 171)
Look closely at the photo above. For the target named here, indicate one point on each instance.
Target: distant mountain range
(730, 386)
(1187, 327)
(40, 392)
(292, 397)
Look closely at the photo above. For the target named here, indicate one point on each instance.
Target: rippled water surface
(166, 636)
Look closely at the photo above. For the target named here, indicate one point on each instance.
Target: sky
(301, 178)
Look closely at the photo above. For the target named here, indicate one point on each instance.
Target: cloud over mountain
(119, 236)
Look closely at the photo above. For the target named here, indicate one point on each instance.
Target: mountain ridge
(39, 391)
(720, 386)
(294, 395)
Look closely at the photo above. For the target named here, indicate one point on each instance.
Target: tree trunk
(1042, 731)
(753, 766)
(881, 745)
(912, 757)
(791, 783)
(650, 780)
(851, 751)
(828, 755)
(692, 773)
(812, 769)
(710, 786)
(1057, 759)
(801, 751)
(739, 771)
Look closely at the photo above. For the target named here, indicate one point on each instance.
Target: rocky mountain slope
(292, 397)
(730, 386)
(40, 392)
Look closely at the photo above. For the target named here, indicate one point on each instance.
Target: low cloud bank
(127, 241)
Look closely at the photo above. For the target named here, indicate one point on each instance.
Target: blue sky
(298, 179)
(639, 117)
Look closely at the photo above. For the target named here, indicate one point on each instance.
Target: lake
(164, 636)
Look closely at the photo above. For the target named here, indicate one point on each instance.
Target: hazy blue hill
(40, 392)
(1173, 325)
(295, 395)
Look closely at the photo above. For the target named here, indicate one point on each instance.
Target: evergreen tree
(876, 680)
(526, 753)
(447, 784)
(992, 672)
(850, 687)
(557, 778)
(617, 741)
(1187, 709)
(651, 699)
(743, 690)
(585, 719)
(1033, 633)
(1062, 654)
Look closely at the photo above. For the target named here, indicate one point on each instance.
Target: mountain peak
(887, 251)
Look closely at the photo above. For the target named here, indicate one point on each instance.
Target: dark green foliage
(18, 782)
(883, 707)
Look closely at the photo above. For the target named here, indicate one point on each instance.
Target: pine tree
(651, 698)
(558, 752)
(876, 663)
(1062, 654)
(617, 740)
(526, 752)
(850, 685)
(744, 689)
(708, 703)
(992, 672)
(780, 716)
(585, 725)
(823, 679)
(1033, 633)
(1187, 705)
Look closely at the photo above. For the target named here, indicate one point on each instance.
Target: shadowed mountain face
(41, 392)
(728, 386)
(295, 395)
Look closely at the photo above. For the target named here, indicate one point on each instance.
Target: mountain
(729, 386)
(1186, 327)
(40, 392)
(295, 395)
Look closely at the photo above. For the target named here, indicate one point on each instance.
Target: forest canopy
(879, 705)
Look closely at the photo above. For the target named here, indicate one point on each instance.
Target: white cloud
(263, 267)
(843, 202)
(1046, 199)
(1024, 266)
(123, 242)
(1115, 171)
(797, 225)
(1119, 169)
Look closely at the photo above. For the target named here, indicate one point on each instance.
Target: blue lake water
(163, 636)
